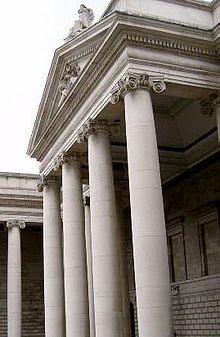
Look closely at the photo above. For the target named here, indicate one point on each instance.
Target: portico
(141, 109)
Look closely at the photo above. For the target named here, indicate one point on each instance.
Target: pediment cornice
(147, 33)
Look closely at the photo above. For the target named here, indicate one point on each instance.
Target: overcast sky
(30, 31)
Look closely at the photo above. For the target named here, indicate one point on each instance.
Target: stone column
(89, 265)
(123, 260)
(53, 259)
(14, 301)
(75, 274)
(147, 215)
(106, 269)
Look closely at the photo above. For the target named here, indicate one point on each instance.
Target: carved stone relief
(71, 72)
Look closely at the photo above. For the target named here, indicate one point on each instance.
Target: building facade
(127, 134)
(21, 256)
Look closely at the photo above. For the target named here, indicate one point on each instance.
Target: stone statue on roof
(86, 18)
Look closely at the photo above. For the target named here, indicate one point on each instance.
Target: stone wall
(193, 229)
(196, 308)
(32, 283)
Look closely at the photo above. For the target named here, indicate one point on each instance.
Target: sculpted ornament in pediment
(86, 18)
(71, 72)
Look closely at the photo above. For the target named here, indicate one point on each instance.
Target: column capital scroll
(209, 104)
(15, 223)
(45, 181)
(132, 81)
(92, 126)
(68, 157)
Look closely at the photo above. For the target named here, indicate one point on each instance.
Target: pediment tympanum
(67, 65)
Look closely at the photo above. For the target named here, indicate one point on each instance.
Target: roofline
(19, 175)
(190, 3)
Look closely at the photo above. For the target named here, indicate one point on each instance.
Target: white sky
(30, 31)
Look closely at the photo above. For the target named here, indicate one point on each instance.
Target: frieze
(131, 81)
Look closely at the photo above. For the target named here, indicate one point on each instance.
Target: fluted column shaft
(53, 262)
(75, 273)
(89, 266)
(106, 269)
(14, 298)
(147, 215)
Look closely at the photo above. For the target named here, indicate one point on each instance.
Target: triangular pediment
(80, 65)
(67, 66)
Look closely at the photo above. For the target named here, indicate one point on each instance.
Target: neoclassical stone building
(21, 256)
(129, 122)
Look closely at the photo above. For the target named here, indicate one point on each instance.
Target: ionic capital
(132, 81)
(45, 181)
(67, 158)
(92, 126)
(15, 223)
(209, 105)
